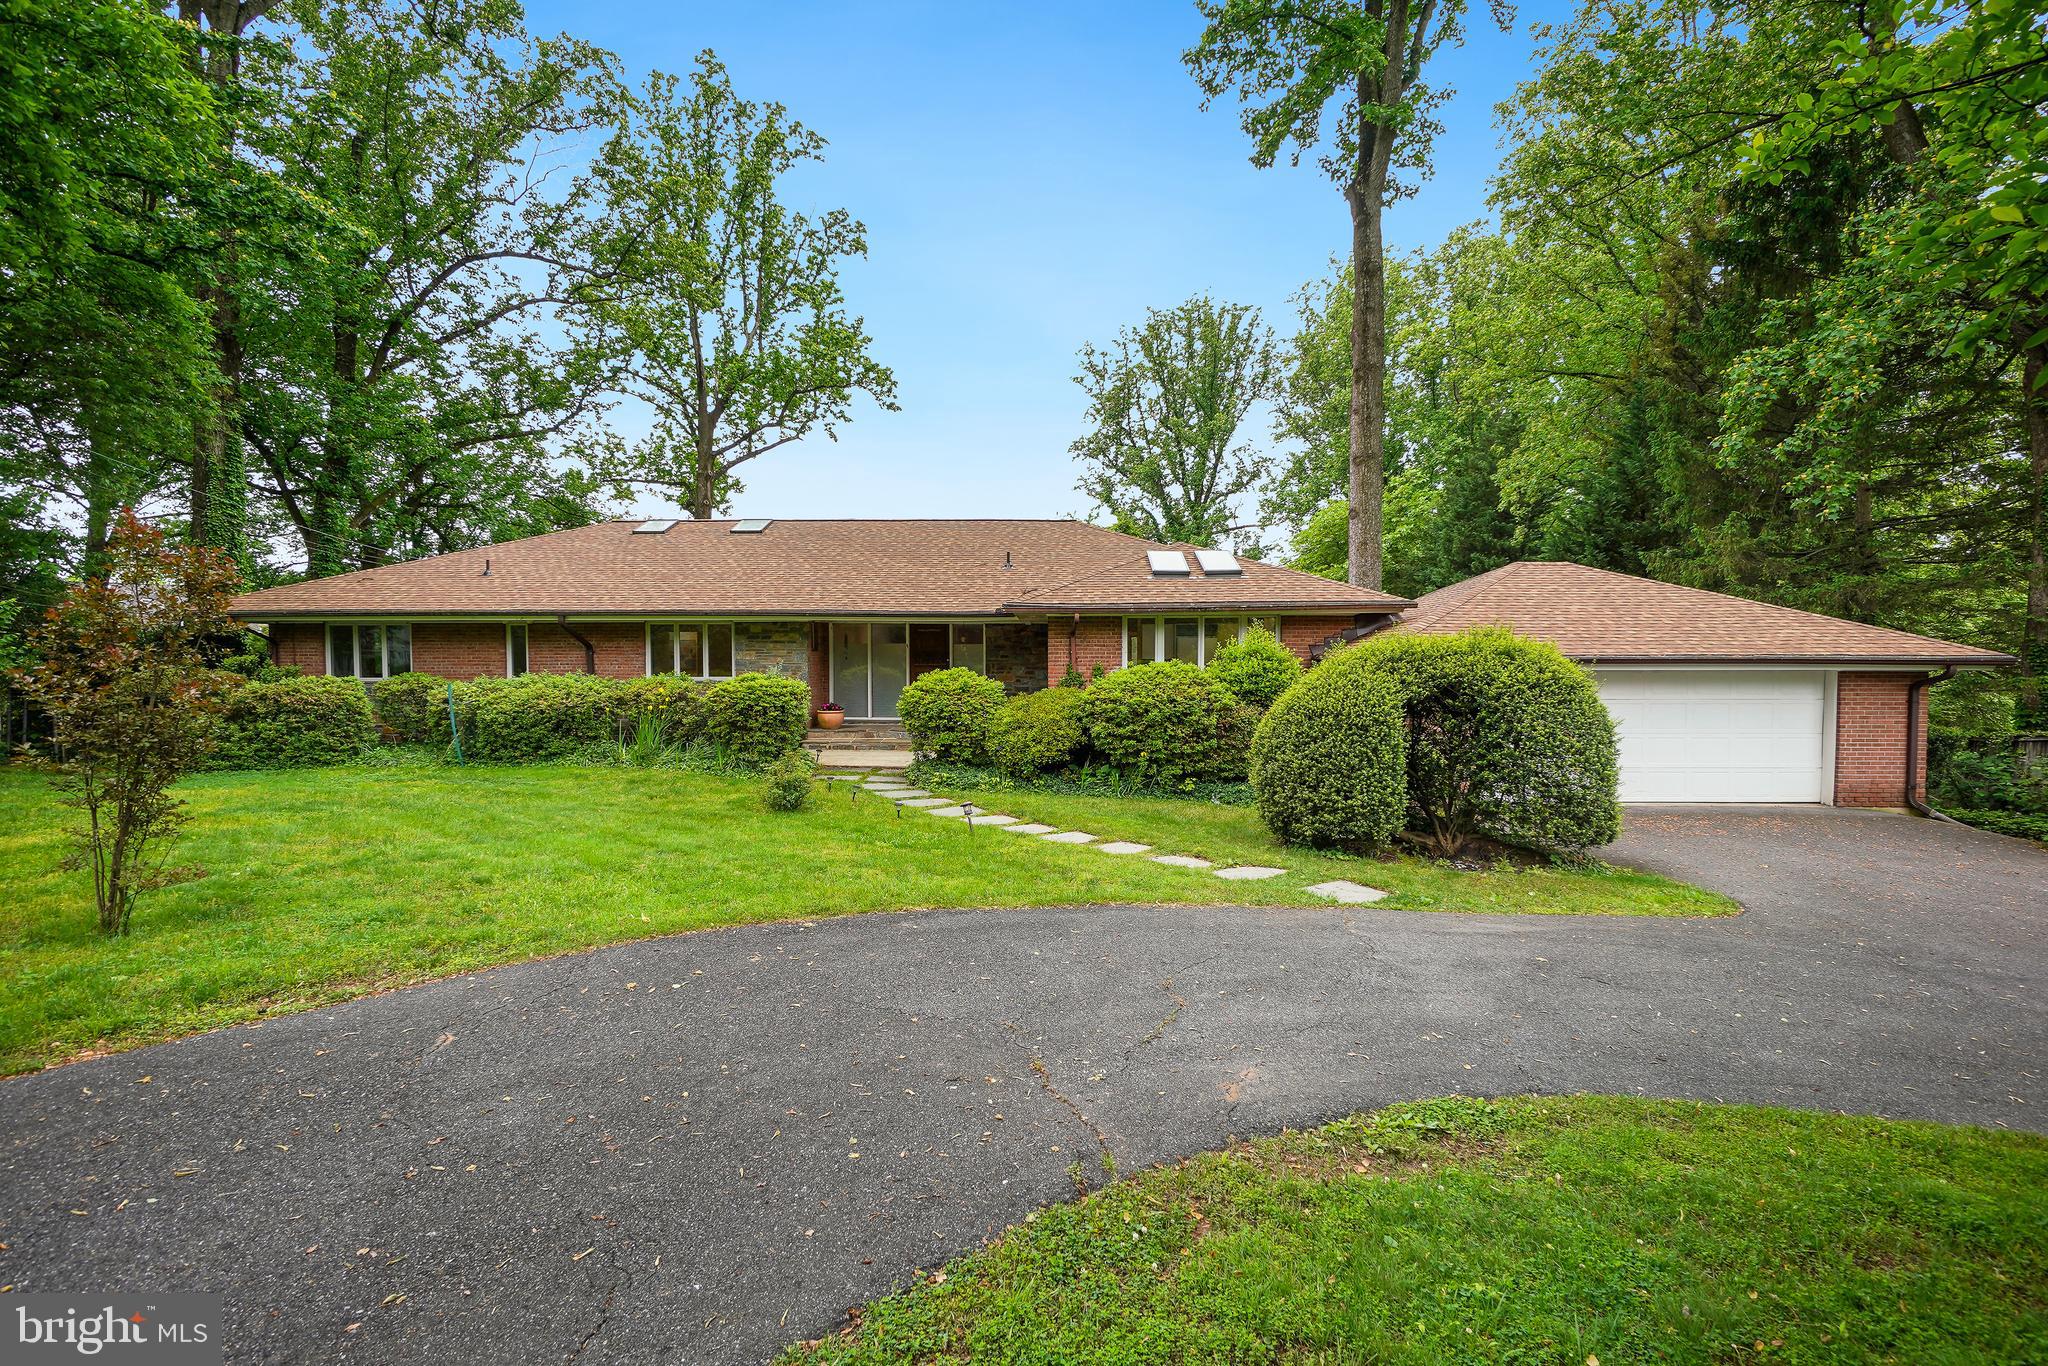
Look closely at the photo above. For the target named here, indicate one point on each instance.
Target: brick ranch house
(1716, 699)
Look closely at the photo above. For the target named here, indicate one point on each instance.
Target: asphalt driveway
(699, 1148)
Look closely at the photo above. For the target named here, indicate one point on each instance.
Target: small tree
(119, 666)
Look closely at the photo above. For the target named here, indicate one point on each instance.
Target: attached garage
(1721, 699)
(1721, 735)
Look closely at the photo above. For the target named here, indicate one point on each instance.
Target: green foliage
(538, 716)
(413, 707)
(948, 712)
(789, 782)
(2022, 825)
(1256, 668)
(675, 704)
(1038, 732)
(757, 718)
(1983, 780)
(1329, 760)
(1071, 679)
(1506, 737)
(294, 723)
(728, 303)
(1165, 402)
(1085, 780)
(1161, 724)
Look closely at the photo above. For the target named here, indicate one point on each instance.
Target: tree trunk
(1367, 195)
(704, 477)
(2033, 710)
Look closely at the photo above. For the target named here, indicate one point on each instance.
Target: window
(694, 649)
(515, 651)
(970, 650)
(1194, 640)
(361, 651)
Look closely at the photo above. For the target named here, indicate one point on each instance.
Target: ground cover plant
(304, 900)
(1570, 1230)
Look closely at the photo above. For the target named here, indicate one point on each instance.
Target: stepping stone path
(1350, 893)
(899, 792)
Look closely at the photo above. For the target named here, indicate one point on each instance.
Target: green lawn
(325, 884)
(1557, 1230)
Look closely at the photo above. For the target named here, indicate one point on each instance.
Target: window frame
(674, 626)
(525, 648)
(355, 645)
(1154, 629)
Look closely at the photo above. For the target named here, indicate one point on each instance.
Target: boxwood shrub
(1329, 760)
(1039, 732)
(1161, 724)
(413, 707)
(539, 716)
(676, 704)
(947, 713)
(1506, 737)
(757, 718)
(294, 723)
(1256, 667)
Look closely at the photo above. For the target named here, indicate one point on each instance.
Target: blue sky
(1032, 177)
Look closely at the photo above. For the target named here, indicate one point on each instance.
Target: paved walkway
(701, 1147)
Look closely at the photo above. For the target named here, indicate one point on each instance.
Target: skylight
(752, 526)
(652, 528)
(1218, 562)
(1166, 561)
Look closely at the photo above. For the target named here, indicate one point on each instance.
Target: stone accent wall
(299, 644)
(820, 665)
(461, 649)
(1870, 739)
(1017, 657)
(772, 647)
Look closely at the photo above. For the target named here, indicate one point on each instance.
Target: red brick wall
(1302, 634)
(459, 649)
(300, 644)
(1086, 645)
(621, 648)
(1870, 739)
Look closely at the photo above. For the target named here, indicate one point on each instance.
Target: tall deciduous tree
(120, 667)
(728, 309)
(1165, 401)
(1289, 62)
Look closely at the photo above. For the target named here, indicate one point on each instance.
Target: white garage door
(1718, 735)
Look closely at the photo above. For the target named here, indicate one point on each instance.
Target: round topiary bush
(1160, 725)
(413, 707)
(1040, 732)
(1257, 667)
(1506, 737)
(756, 718)
(1329, 761)
(294, 723)
(947, 713)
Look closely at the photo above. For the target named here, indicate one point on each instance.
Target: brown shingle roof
(1599, 615)
(798, 568)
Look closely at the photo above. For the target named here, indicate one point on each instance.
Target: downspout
(1914, 690)
(589, 650)
(1072, 626)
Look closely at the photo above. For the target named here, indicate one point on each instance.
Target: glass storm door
(888, 666)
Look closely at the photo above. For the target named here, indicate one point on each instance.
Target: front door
(930, 648)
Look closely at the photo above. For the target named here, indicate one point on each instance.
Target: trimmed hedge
(538, 716)
(1329, 761)
(1162, 724)
(1506, 737)
(413, 707)
(947, 713)
(293, 723)
(1257, 667)
(1039, 732)
(677, 703)
(757, 718)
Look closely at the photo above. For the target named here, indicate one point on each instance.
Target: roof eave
(1181, 608)
(1829, 661)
